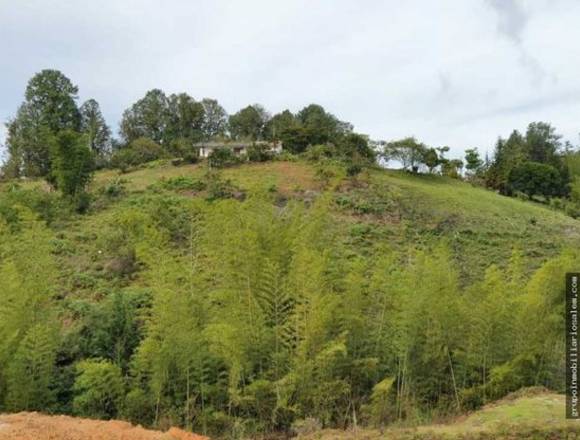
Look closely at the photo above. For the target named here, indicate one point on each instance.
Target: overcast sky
(450, 72)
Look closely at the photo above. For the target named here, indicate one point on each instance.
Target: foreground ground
(529, 414)
(525, 415)
(34, 426)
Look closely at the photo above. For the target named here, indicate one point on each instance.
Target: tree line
(54, 138)
(534, 164)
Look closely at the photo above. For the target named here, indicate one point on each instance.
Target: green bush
(381, 409)
(114, 189)
(82, 202)
(219, 188)
(508, 377)
(259, 153)
(138, 407)
(286, 156)
(222, 158)
(353, 170)
(533, 178)
(139, 151)
(184, 149)
(320, 152)
(98, 389)
(48, 206)
(183, 183)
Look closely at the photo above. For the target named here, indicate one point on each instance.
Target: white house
(238, 147)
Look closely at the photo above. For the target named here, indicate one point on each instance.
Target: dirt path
(34, 426)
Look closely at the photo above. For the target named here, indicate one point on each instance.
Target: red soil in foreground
(34, 426)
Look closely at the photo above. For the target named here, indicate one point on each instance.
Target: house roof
(238, 144)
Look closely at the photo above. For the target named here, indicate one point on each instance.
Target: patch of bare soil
(35, 426)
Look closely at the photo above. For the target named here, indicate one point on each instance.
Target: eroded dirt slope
(35, 426)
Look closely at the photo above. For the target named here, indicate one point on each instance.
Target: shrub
(472, 398)
(259, 153)
(47, 205)
(222, 157)
(381, 409)
(72, 164)
(98, 389)
(508, 377)
(286, 156)
(82, 202)
(184, 149)
(572, 209)
(174, 215)
(219, 188)
(353, 169)
(320, 152)
(306, 426)
(114, 189)
(139, 151)
(260, 402)
(183, 183)
(355, 147)
(533, 178)
(324, 175)
(138, 407)
(124, 159)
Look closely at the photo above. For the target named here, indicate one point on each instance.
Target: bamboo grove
(245, 317)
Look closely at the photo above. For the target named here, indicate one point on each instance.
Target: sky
(449, 72)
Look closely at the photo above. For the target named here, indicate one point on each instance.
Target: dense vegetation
(264, 296)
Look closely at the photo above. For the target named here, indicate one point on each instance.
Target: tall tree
(49, 107)
(95, 128)
(249, 123)
(148, 117)
(473, 162)
(72, 163)
(320, 126)
(28, 334)
(186, 118)
(279, 124)
(543, 143)
(408, 151)
(215, 119)
(52, 96)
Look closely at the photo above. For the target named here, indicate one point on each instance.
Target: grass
(481, 226)
(539, 416)
(286, 176)
(381, 210)
(377, 211)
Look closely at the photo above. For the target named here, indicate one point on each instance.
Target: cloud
(450, 72)
(512, 22)
(512, 18)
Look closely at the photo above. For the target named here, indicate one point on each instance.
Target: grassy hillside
(393, 209)
(524, 415)
(242, 302)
